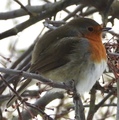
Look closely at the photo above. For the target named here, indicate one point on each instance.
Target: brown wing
(58, 54)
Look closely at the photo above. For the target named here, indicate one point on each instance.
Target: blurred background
(22, 23)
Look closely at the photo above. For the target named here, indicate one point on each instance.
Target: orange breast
(98, 51)
(97, 48)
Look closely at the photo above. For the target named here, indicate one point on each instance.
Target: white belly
(91, 76)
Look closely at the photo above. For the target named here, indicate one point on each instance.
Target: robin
(73, 51)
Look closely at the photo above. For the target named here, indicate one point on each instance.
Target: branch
(21, 12)
(42, 102)
(35, 76)
(92, 104)
(79, 108)
(102, 102)
(117, 114)
(78, 105)
(49, 12)
(22, 6)
(105, 13)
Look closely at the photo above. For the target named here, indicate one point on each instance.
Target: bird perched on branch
(73, 51)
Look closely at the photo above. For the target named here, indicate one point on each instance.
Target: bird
(73, 51)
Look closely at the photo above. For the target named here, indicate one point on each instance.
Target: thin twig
(44, 115)
(42, 102)
(10, 87)
(30, 13)
(102, 102)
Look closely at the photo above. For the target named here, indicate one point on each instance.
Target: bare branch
(52, 10)
(31, 14)
(35, 76)
(42, 102)
(117, 114)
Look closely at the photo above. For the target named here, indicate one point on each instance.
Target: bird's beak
(106, 28)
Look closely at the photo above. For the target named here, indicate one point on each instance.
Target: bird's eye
(90, 29)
